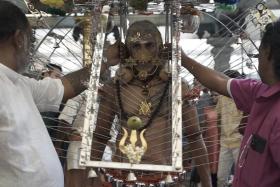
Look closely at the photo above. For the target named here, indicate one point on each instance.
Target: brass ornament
(142, 75)
(134, 153)
(87, 43)
(92, 173)
(145, 108)
(53, 3)
(131, 177)
(138, 36)
(124, 74)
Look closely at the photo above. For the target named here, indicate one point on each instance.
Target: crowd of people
(29, 157)
(258, 161)
(220, 122)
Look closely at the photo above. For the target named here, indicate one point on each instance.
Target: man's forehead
(141, 36)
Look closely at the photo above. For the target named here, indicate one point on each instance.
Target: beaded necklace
(154, 113)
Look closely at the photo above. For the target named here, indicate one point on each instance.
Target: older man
(28, 158)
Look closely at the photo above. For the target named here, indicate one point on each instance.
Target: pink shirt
(256, 169)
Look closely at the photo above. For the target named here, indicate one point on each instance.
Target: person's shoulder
(250, 82)
(247, 85)
(28, 83)
(46, 81)
(8, 74)
(185, 87)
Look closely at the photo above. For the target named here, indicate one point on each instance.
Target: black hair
(53, 66)
(271, 38)
(77, 31)
(11, 20)
(233, 74)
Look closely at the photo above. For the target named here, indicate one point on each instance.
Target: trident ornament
(134, 153)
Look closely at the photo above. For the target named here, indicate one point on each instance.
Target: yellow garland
(53, 3)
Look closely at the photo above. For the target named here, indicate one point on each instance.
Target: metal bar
(128, 166)
(69, 21)
(87, 40)
(177, 161)
(92, 93)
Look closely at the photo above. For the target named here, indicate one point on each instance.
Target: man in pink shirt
(259, 159)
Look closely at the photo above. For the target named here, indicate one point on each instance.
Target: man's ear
(266, 51)
(18, 39)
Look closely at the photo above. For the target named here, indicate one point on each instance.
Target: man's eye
(149, 45)
(136, 46)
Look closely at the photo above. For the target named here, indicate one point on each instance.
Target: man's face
(263, 61)
(144, 51)
(144, 42)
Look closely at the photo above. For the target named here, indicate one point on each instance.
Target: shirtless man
(142, 80)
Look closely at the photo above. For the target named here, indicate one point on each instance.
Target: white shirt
(27, 155)
(74, 114)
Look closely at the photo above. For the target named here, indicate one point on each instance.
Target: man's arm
(76, 82)
(211, 79)
(115, 53)
(196, 144)
(106, 114)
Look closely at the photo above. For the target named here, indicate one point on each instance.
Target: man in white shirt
(27, 156)
(72, 117)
